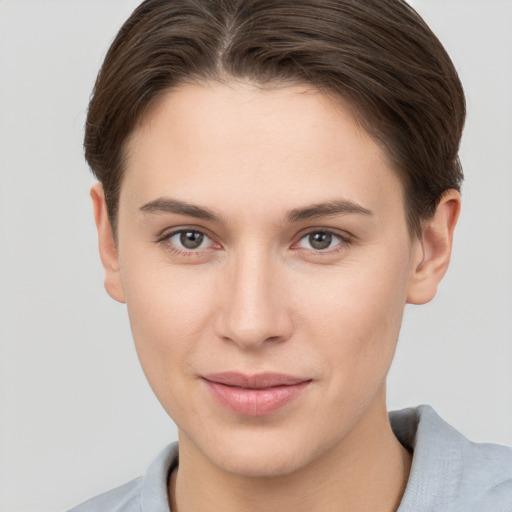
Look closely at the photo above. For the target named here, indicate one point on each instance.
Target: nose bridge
(252, 311)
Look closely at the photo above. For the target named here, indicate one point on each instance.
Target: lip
(254, 395)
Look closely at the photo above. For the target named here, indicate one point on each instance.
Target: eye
(320, 241)
(187, 240)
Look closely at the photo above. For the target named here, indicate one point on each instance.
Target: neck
(367, 471)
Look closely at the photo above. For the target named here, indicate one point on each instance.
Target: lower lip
(255, 402)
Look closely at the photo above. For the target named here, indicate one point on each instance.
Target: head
(278, 179)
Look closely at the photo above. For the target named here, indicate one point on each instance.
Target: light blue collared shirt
(448, 473)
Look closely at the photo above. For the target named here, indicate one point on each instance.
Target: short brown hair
(379, 55)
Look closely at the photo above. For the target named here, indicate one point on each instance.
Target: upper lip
(257, 381)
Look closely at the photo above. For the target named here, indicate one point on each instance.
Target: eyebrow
(329, 208)
(168, 205)
(335, 207)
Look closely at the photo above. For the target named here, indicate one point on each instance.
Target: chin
(259, 453)
(261, 463)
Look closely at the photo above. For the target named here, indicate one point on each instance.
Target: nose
(254, 306)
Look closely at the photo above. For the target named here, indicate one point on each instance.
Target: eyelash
(165, 240)
(344, 240)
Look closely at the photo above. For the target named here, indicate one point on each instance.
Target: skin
(257, 297)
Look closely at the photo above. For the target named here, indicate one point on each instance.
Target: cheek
(355, 315)
(169, 314)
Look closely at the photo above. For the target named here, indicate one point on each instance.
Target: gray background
(77, 416)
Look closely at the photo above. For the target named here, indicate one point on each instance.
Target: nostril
(274, 339)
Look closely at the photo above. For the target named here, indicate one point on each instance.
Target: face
(265, 261)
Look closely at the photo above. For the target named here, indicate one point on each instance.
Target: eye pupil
(320, 240)
(191, 239)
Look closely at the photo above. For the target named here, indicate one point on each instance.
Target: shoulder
(144, 494)
(125, 498)
(449, 472)
(487, 476)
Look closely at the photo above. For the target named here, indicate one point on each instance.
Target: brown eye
(187, 240)
(191, 239)
(320, 241)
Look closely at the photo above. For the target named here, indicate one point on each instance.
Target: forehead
(282, 145)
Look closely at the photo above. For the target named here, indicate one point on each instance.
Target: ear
(107, 246)
(433, 250)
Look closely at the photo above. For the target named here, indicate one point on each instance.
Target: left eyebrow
(335, 207)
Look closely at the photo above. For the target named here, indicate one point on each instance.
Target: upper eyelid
(170, 232)
(344, 235)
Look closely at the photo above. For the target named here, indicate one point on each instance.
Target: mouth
(254, 395)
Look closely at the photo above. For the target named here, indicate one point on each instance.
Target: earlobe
(107, 245)
(433, 250)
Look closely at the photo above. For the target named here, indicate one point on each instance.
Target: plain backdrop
(76, 415)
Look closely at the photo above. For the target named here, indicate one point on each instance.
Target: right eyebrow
(168, 205)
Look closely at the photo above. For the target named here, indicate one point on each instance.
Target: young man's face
(265, 261)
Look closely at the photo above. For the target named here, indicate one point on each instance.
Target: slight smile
(254, 395)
